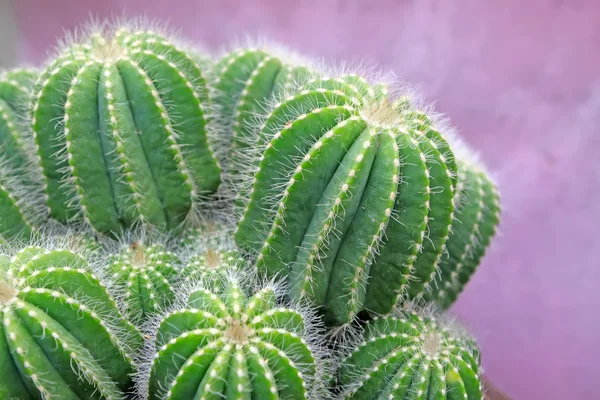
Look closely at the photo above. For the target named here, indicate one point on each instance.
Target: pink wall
(521, 79)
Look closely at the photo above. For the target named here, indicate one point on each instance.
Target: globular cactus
(352, 197)
(119, 120)
(21, 196)
(242, 83)
(476, 219)
(61, 335)
(147, 279)
(411, 357)
(212, 266)
(232, 346)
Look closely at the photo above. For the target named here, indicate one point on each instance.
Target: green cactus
(477, 217)
(147, 278)
(21, 196)
(243, 83)
(61, 336)
(212, 266)
(233, 347)
(411, 357)
(352, 192)
(120, 126)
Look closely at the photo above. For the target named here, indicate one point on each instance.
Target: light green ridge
(61, 336)
(232, 346)
(120, 123)
(411, 357)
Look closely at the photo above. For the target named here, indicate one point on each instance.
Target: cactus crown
(62, 334)
(131, 138)
(409, 355)
(234, 346)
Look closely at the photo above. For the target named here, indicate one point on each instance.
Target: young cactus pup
(148, 278)
(120, 125)
(61, 335)
(232, 346)
(411, 357)
(352, 198)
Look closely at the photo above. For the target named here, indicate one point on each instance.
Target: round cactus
(243, 83)
(212, 266)
(130, 146)
(61, 336)
(233, 347)
(21, 195)
(148, 277)
(477, 217)
(352, 197)
(411, 357)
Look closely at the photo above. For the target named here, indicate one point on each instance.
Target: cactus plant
(21, 196)
(242, 83)
(147, 278)
(119, 120)
(411, 357)
(353, 192)
(477, 217)
(61, 336)
(232, 346)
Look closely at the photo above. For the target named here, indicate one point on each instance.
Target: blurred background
(521, 81)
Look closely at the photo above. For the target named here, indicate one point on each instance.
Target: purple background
(521, 79)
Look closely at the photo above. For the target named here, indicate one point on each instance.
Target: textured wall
(521, 79)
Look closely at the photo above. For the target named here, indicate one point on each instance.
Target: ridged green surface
(244, 82)
(148, 277)
(352, 198)
(411, 357)
(61, 336)
(120, 127)
(212, 267)
(229, 346)
(19, 192)
(476, 222)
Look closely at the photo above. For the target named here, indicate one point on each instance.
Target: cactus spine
(233, 347)
(352, 192)
(61, 334)
(411, 357)
(131, 145)
(20, 191)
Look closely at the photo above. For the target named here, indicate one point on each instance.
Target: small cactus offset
(411, 357)
(212, 266)
(477, 217)
(352, 192)
(147, 278)
(232, 346)
(119, 120)
(243, 83)
(21, 195)
(61, 336)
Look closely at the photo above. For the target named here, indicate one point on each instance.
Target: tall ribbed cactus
(476, 218)
(353, 197)
(21, 195)
(147, 278)
(411, 357)
(233, 347)
(61, 336)
(244, 81)
(120, 125)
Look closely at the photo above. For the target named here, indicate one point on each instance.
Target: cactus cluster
(228, 228)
